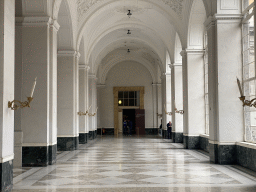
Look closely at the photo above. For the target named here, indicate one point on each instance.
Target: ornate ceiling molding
(84, 5)
(175, 5)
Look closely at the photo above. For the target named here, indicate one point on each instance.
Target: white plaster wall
(127, 73)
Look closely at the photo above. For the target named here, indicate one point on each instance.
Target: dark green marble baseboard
(6, 176)
(204, 143)
(83, 138)
(191, 142)
(67, 143)
(222, 154)
(177, 137)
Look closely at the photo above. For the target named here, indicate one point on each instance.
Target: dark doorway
(129, 114)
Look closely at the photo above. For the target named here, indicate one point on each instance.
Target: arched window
(249, 77)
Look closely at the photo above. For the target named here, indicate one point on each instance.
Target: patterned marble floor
(132, 164)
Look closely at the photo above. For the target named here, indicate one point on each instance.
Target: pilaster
(226, 111)
(68, 100)
(83, 103)
(37, 124)
(193, 97)
(7, 56)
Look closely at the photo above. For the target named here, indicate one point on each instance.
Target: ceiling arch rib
(123, 44)
(108, 66)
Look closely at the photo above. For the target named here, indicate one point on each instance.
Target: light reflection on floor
(132, 164)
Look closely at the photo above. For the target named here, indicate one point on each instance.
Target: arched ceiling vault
(154, 25)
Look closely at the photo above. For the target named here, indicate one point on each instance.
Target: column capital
(163, 76)
(101, 86)
(54, 24)
(186, 52)
(35, 21)
(92, 76)
(68, 53)
(84, 67)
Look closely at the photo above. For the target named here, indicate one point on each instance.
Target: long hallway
(132, 164)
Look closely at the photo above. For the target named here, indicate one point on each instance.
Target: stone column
(193, 97)
(7, 48)
(154, 106)
(38, 123)
(178, 103)
(159, 104)
(93, 104)
(68, 132)
(226, 110)
(168, 100)
(164, 115)
(54, 27)
(83, 103)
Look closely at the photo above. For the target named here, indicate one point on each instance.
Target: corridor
(132, 164)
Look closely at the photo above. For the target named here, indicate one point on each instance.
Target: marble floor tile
(144, 164)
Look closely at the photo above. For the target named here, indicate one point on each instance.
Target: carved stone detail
(84, 5)
(175, 5)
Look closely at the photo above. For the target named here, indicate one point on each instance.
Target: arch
(135, 26)
(162, 7)
(112, 63)
(82, 52)
(177, 50)
(196, 26)
(56, 8)
(66, 31)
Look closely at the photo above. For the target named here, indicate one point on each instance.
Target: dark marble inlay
(223, 154)
(90, 135)
(151, 131)
(106, 131)
(246, 157)
(95, 134)
(227, 154)
(67, 143)
(191, 142)
(35, 156)
(213, 153)
(204, 144)
(83, 138)
(52, 154)
(164, 134)
(6, 176)
(177, 137)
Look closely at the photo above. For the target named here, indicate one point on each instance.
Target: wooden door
(140, 121)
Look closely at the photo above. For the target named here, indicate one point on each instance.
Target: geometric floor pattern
(132, 164)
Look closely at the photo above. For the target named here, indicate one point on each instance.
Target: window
(249, 78)
(206, 98)
(128, 98)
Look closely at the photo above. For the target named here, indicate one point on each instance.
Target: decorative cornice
(211, 20)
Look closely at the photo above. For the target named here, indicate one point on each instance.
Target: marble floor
(132, 164)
